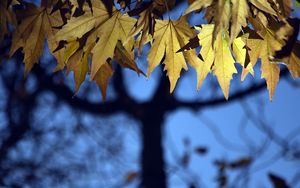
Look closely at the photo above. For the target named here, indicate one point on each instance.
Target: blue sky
(281, 114)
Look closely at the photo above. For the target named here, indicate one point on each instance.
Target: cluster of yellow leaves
(93, 37)
(103, 37)
(220, 51)
(217, 53)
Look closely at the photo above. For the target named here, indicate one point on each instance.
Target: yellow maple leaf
(223, 12)
(270, 71)
(293, 61)
(70, 49)
(78, 63)
(76, 27)
(110, 32)
(126, 59)
(264, 5)
(231, 14)
(253, 41)
(219, 55)
(239, 14)
(102, 77)
(169, 37)
(222, 17)
(197, 5)
(102, 33)
(264, 46)
(144, 27)
(239, 50)
(37, 24)
(104, 37)
(224, 63)
(207, 52)
(77, 59)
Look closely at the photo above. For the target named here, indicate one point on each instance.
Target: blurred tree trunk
(152, 118)
(152, 158)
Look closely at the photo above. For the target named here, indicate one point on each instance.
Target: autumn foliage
(88, 36)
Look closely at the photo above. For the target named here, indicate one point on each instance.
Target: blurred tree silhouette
(51, 138)
(41, 148)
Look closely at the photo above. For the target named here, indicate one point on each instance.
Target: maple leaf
(197, 5)
(169, 37)
(239, 50)
(217, 55)
(240, 11)
(76, 27)
(253, 41)
(78, 63)
(224, 63)
(270, 71)
(146, 22)
(108, 29)
(207, 51)
(77, 58)
(102, 77)
(231, 14)
(125, 58)
(144, 27)
(37, 24)
(222, 16)
(96, 30)
(264, 5)
(115, 29)
(70, 49)
(264, 46)
(293, 61)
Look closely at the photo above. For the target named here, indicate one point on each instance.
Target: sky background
(281, 115)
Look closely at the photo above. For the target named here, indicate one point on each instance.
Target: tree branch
(64, 93)
(196, 105)
(129, 106)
